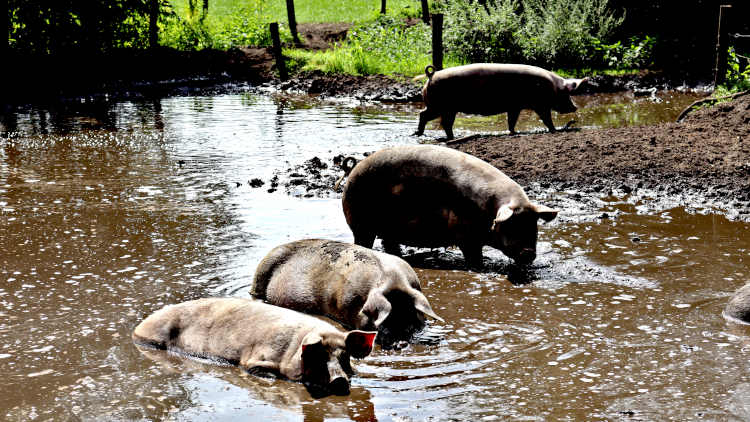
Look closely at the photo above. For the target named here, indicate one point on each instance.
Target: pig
(259, 337)
(358, 287)
(738, 307)
(492, 88)
(433, 196)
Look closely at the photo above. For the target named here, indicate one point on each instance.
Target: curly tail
(429, 70)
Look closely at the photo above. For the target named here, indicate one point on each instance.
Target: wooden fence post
(425, 12)
(5, 26)
(274, 27)
(292, 20)
(720, 70)
(382, 7)
(153, 28)
(437, 41)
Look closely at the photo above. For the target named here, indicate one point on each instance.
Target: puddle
(108, 216)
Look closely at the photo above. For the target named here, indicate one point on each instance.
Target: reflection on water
(109, 213)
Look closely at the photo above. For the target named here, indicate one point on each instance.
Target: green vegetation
(544, 32)
(386, 45)
(53, 26)
(737, 79)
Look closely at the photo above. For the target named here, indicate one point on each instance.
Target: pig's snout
(339, 381)
(526, 256)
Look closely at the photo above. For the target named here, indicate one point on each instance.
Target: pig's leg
(546, 116)
(425, 116)
(447, 120)
(364, 239)
(512, 119)
(391, 247)
(472, 255)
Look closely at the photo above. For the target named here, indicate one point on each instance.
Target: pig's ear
(546, 213)
(359, 343)
(312, 346)
(503, 214)
(422, 305)
(573, 84)
(376, 308)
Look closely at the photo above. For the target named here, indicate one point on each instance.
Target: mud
(702, 163)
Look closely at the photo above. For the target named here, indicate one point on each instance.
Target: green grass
(583, 72)
(305, 10)
(385, 45)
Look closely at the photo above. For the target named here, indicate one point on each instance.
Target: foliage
(563, 31)
(193, 31)
(543, 32)
(384, 46)
(737, 79)
(482, 34)
(51, 26)
(638, 54)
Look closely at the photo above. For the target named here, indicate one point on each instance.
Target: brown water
(109, 212)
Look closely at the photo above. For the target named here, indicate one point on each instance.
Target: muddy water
(109, 212)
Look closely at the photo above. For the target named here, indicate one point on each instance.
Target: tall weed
(563, 31)
(482, 34)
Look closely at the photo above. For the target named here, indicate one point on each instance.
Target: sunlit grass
(305, 10)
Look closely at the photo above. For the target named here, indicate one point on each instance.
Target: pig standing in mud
(490, 88)
(258, 337)
(359, 287)
(432, 196)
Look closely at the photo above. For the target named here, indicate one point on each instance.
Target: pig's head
(325, 359)
(562, 102)
(514, 230)
(396, 311)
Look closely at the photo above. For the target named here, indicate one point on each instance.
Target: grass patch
(583, 72)
(384, 46)
(305, 10)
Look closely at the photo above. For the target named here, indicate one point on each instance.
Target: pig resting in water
(492, 88)
(359, 287)
(258, 337)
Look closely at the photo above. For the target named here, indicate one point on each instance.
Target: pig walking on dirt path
(491, 88)
(432, 196)
(358, 287)
(258, 337)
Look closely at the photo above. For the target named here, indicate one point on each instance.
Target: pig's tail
(429, 70)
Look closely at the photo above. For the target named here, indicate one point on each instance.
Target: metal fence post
(720, 70)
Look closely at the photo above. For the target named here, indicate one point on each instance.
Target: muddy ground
(702, 162)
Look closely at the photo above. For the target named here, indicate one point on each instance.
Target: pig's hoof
(417, 133)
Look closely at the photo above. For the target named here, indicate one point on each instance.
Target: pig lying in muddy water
(490, 88)
(432, 196)
(359, 287)
(258, 337)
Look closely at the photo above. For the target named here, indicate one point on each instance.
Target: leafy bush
(543, 32)
(195, 31)
(737, 79)
(563, 31)
(52, 26)
(482, 34)
(638, 54)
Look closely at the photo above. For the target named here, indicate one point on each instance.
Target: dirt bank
(702, 162)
